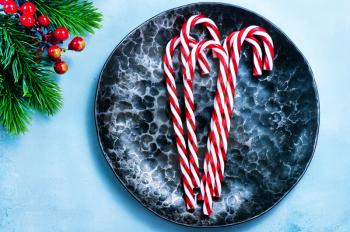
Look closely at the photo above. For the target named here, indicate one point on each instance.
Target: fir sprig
(14, 110)
(25, 83)
(78, 16)
(25, 80)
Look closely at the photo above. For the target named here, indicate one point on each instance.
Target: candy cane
(228, 113)
(176, 118)
(175, 110)
(221, 122)
(223, 70)
(233, 44)
(245, 35)
(177, 123)
(236, 41)
(188, 84)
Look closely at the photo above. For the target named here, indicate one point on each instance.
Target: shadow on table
(130, 204)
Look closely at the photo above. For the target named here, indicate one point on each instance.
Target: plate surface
(274, 127)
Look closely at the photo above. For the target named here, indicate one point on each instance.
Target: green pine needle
(14, 110)
(17, 51)
(44, 95)
(41, 92)
(78, 16)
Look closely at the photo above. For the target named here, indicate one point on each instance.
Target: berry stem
(38, 30)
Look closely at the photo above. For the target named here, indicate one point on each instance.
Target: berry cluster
(27, 17)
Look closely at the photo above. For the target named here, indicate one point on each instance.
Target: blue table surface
(54, 177)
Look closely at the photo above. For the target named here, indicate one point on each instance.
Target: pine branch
(25, 79)
(25, 82)
(14, 111)
(45, 95)
(80, 17)
(17, 49)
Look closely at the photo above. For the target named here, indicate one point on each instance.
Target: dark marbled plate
(274, 132)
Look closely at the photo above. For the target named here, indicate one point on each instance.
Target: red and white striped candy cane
(216, 136)
(227, 113)
(223, 122)
(188, 84)
(233, 44)
(209, 171)
(213, 138)
(177, 123)
(236, 41)
(257, 54)
(176, 112)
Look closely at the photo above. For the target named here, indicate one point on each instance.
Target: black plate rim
(316, 134)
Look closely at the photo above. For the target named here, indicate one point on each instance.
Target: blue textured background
(54, 177)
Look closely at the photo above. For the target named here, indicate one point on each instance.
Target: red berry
(61, 33)
(28, 8)
(2, 2)
(27, 20)
(43, 20)
(54, 52)
(61, 67)
(10, 7)
(77, 44)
